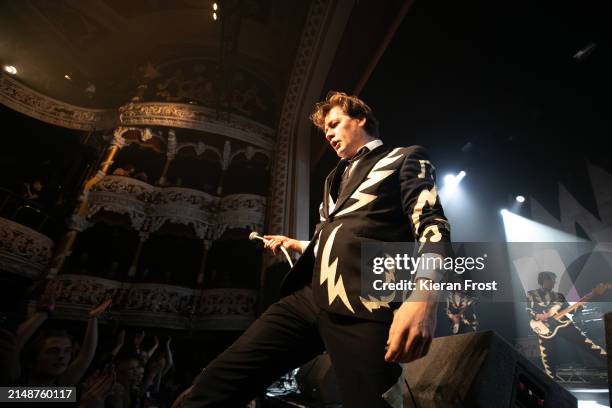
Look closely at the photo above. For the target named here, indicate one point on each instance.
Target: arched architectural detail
(200, 148)
(307, 76)
(19, 97)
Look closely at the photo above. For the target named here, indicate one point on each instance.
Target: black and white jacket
(541, 300)
(391, 196)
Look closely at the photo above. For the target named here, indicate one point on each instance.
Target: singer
(375, 193)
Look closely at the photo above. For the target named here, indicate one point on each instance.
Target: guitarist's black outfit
(389, 196)
(540, 301)
(460, 303)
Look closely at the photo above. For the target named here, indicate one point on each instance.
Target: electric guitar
(455, 326)
(558, 319)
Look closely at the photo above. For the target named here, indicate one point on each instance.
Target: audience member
(48, 360)
(142, 176)
(126, 171)
(32, 190)
(97, 387)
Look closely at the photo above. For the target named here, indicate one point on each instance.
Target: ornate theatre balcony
(23, 251)
(26, 235)
(123, 195)
(155, 305)
(241, 211)
(183, 206)
(145, 204)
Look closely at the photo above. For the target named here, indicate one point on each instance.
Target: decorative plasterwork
(240, 211)
(314, 30)
(183, 206)
(199, 148)
(249, 152)
(23, 99)
(19, 97)
(149, 207)
(121, 195)
(172, 145)
(23, 251)
(196, 117)
(225, 309)
(155, 305)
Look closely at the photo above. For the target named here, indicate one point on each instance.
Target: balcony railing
(23, 251)
(122, 195)
(25, 236)
(155, 305)
(152, 207)
(240, 211)
(183, 206)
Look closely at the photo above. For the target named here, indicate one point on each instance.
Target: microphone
(255, 235)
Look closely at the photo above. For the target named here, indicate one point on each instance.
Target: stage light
(521, 229)
(590, 404)
(215, 16)
(451, 181)
(454, 179)
(215, 6)
(584, 52)
(10, 69)
(520, 199)
(68, 77)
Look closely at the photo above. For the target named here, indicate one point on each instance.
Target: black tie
(336, 181)
(347, 171)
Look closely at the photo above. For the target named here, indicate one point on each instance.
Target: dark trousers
(288, 334)
(550, 353)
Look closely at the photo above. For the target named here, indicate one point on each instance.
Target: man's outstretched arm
(414, 323)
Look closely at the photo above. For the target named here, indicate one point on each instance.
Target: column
(170, 154)
(134, 266)
(205, 249)
(225, 160)
(64, 247)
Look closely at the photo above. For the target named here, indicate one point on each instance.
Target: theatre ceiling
(97, 53)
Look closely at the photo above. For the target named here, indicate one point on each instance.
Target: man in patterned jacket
(539, 304)
(375, 194)
(460, 309)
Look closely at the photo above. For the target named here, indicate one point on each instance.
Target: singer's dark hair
(351, 105)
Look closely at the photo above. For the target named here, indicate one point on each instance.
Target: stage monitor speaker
(480, 370)
(608, 323)
(317, 381)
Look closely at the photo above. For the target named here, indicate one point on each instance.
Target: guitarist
(539, 303)
(460, 311)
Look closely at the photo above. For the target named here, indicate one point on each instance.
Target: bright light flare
(521, 229)
(10, 69)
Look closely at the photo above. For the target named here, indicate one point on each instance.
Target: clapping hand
(138, 339)
(97, 386)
